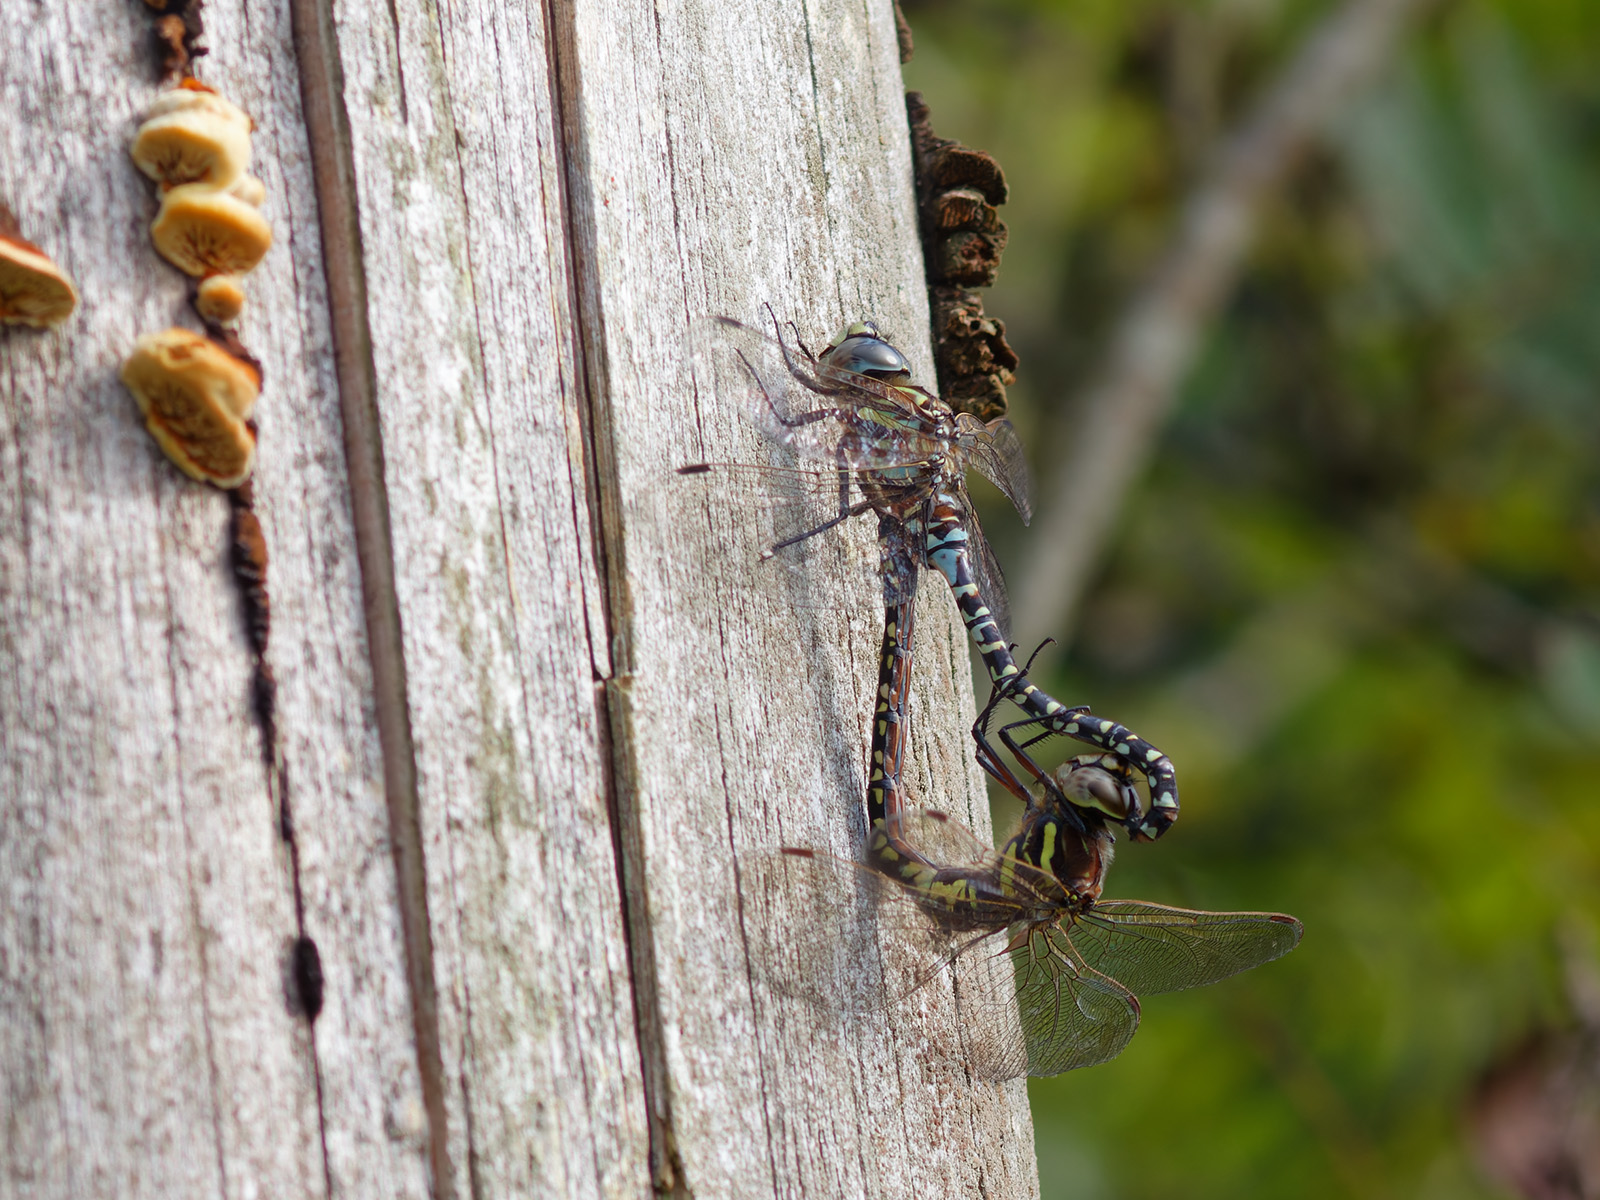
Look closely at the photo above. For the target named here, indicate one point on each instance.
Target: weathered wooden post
(532, 722)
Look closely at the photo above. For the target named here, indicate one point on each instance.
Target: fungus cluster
(962, 239)
(196, 392)
(195, 144)
(33, 290)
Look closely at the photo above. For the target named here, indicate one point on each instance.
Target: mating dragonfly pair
(1070, 962)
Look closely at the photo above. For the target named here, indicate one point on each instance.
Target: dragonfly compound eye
(868, 354)
(1084, 781)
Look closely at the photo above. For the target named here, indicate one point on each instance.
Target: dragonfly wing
(1031, 1008)
(899, 563)
(872, 946)
(1064, 1014)
(859, 942)
(788, 507)
(785, 506)
(944, 839)
(946, 842)
(1152, 948)
(828, 908)
(997, 453)
(986, 572)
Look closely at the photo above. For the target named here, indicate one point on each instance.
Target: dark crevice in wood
(247, 553)
(303, 979)
(305, 972)
(958, 190)
(333, 170)
(667, 1177)
(614, 715)
(176, 36)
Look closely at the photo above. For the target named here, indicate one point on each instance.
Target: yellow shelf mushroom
(193, 135)
(220, 299)
(196, 398)
(203, 231)
(33, 290)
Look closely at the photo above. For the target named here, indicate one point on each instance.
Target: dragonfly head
(863, 350)
(1100, 783)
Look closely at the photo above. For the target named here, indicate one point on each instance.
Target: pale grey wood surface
(457, 183)
(547, 199)
(735, 154)
(148, 1045)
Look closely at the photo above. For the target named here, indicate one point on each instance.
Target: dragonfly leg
(991, 762)
(1059, 802)
(853, 510)
(794, 421)
(1101, 781)
(803, 377)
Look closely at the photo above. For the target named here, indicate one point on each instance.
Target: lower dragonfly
(1059, 968)
(853, 412)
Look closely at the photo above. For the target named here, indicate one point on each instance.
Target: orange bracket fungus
(33, 290)
(220, 299)
(193, 135)
(196, 398)
(204, 231)
(195, 144)
(197, 393)
(249, 189)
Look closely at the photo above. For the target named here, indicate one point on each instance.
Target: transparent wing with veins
(871, 944)
(996, 452)
(828, 417)
(1046, 982)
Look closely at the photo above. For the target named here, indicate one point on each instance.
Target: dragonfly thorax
(1073, 852)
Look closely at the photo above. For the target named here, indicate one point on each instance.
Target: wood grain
(602, 718)
(457, 186)
(149, 1044)
(735, 154)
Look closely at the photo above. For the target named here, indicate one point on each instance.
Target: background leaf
(1355, 596)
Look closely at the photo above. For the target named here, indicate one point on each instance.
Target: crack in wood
(333, 170)
(667, 1175)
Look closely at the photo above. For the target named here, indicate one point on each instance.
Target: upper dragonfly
(888, 446)
(874, 441)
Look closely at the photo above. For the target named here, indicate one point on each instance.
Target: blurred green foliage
(1355, 595)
